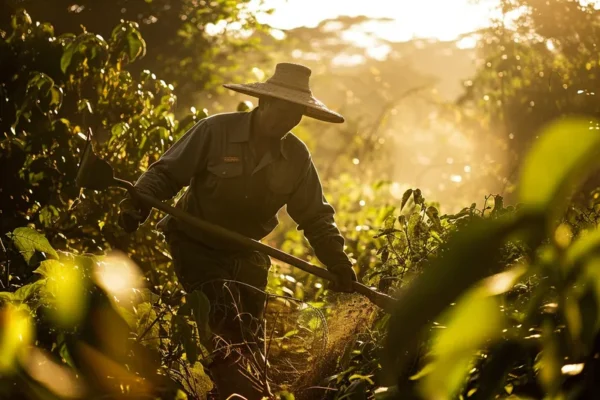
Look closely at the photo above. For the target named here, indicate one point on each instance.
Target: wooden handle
(382, 300)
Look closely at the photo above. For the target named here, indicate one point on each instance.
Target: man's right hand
(132, 214)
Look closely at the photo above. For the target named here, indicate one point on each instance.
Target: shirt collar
(241, 133)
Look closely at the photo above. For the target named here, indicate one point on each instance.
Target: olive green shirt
(229, 187)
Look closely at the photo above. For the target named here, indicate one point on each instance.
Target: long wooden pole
(382, 300)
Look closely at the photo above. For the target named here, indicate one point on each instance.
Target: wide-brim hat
(290, 82)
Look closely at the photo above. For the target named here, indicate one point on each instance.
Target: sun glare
(436, 19)
(118, 274)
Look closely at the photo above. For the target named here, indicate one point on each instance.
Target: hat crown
(291, 76)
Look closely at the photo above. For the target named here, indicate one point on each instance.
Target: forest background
(440, 135)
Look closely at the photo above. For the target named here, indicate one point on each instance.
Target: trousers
(234, 283)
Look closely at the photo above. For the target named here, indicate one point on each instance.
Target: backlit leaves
(28, 241)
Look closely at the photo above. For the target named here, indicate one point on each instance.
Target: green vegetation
(495, 300)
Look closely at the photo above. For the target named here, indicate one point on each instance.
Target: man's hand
(345, 275)
(132, 214)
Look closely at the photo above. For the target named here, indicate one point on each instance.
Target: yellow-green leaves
(28, 241)
(471, 323)
(127, 40)
(560, 159)
(66, 290)
(474, 320)
(16, 333)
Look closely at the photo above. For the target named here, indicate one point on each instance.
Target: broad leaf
(200, 383)
(475, 319)
(27, 292)
(67, 56)
(48, 267)
(418, 197)
(6, 297)
(560, 160)
(136, 45)
(405, 198)
(28, 241)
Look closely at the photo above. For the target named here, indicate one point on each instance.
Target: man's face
(280, 116)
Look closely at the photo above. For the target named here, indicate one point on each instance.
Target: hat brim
(314, 108)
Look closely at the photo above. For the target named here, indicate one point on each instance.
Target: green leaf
(136, 45)
(145, 324)
(7, 297)
(200, 306)
(67, 56)
(434, 217)
(405, 198)
(418, 197)
(366, 378)
(385, 254)
(47, 268)
(27, 292)
(28, 241)
(475, 319)
(200, 382)
(64, 353)
(560, 160)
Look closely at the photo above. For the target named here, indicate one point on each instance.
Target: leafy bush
(60, 90)
(81, 312)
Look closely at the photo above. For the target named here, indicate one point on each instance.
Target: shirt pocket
(225, 181)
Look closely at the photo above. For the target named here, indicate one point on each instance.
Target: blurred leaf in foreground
(16, 333)
(475, 319)
(562, 158)
(59, 379)
(67, 290)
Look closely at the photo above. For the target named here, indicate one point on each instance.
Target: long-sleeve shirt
(228, 187)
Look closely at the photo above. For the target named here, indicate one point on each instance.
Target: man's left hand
(345, 275)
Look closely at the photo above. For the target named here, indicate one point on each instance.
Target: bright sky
(441, 19)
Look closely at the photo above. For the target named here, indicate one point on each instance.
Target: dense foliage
(493, 300)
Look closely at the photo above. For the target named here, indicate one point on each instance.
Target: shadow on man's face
(280, 116)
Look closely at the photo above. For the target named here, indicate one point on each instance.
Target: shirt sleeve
(315, 216)
(177, 166)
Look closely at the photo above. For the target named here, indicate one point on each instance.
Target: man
(240, 169)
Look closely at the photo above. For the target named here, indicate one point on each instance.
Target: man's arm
(167, 176)
(177, 166)
(315, 216)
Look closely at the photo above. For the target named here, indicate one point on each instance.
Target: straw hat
(290, 82)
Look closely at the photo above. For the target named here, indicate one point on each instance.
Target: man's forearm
(156, 182)
(327, 242)
(330, 251)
